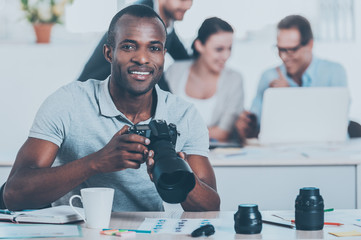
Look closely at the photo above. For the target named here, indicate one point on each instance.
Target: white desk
(225, 229)
(272, 176)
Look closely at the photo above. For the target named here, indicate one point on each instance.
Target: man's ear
(108, 53)
(309, 45)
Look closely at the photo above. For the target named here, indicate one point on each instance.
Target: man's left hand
(150, 162)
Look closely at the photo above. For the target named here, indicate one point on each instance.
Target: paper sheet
(39, 230)
(175, 226)
(346, 234)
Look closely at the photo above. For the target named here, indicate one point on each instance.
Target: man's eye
(154, 48)
(128, 47)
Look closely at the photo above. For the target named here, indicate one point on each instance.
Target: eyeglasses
(289, 51)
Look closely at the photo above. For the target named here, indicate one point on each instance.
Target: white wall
(30, 72)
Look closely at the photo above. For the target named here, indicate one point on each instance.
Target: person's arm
(263, 84)
(281, 81)
(96, 67)
(218, 134)
(246, 126)
(175, 47)
(33, 183)
(204, 196)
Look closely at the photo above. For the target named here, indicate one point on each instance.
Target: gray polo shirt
(81, 118)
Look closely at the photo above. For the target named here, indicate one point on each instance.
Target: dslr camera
(172, 176)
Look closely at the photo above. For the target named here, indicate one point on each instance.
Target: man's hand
(281, 81)
(122, 151)
(246, 125)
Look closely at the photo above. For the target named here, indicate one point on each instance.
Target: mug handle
(72, 207)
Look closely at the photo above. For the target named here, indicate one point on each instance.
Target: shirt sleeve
(52, 118)
(197, 142)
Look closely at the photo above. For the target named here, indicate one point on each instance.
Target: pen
(2, 211)
(328, 210)
(279, 224)
(124, 230)
(327, 223)
(236, 154)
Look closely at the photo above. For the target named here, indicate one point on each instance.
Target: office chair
(354, 129)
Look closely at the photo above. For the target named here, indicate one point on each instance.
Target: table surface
(225, 226)
(253, 154)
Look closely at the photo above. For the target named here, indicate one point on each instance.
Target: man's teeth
(140, 73)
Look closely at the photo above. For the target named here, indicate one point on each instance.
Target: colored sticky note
(346, 234)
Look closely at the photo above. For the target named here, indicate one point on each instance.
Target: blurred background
(29, 72)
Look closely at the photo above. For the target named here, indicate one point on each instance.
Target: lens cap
(205, 230)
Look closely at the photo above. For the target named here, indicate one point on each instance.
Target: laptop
(304, 115)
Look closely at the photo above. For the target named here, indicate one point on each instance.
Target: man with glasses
(300, 68)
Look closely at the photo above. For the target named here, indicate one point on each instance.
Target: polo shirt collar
(106, 105)
(108, 109)
(160, 110)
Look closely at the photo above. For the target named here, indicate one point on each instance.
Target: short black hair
(137, 10)
(299, 22)
(209, 27)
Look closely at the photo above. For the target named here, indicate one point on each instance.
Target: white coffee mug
(97, 204)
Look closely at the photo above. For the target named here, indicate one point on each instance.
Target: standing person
(170, 11)
(300, 68)
(205, 81)
(64, 153)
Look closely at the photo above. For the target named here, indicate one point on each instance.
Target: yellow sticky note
(346, 234)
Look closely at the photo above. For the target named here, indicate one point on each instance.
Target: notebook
(296, 115)
(54, 215)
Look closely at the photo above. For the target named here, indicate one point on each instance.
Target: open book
(54, 215)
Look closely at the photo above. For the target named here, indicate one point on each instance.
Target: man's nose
(284, 56)
(141, 57)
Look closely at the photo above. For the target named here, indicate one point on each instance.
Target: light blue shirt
(320, 73)
(81, 118)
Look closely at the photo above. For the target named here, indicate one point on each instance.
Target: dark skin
(246, 126)
(137, 63)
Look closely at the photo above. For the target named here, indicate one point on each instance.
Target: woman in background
(215, 90)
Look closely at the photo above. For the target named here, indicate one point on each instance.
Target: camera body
(172, 175)
(156, 130)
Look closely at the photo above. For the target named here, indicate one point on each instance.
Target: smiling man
(300, 68)
(64, 153)
(170, 11)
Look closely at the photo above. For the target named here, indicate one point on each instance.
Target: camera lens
(248, 220)
(309, 209)
(172, 176)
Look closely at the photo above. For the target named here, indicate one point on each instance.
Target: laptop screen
(317, 114)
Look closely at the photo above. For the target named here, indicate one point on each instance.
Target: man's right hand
(281, 81)
(122, 151)
(246, 125)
